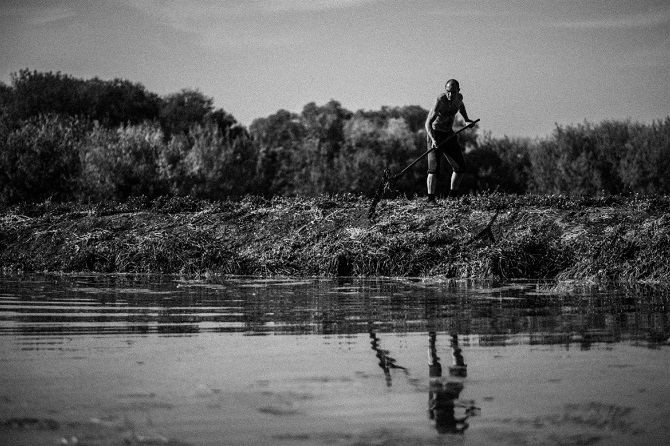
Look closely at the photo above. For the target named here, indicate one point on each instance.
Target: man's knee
(457, 163)
(433, 164)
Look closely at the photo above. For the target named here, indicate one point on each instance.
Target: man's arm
(464, 113)
(432, 114)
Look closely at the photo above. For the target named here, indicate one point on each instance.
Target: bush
(39, 159)
(209, 164)
(121, 163)
(644, 168)
(612, 157)
(500, 164)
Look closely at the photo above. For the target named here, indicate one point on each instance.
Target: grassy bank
(496, 236)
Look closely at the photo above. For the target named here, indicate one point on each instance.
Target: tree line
(69, 139)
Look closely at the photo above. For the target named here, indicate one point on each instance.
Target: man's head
(452, 88)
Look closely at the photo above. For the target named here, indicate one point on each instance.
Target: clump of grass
(625, 253)
(534, 256)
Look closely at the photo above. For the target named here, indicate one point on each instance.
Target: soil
(620, 239)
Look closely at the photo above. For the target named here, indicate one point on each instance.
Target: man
(439, 127)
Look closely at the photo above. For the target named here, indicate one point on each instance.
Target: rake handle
(398, 175)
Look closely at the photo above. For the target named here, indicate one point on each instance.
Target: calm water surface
(132, 360)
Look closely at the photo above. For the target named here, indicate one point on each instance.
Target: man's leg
(454, 155)
(456, 179)
(431, 183)
(433, 171)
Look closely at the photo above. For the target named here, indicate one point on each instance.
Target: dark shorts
(451, 150)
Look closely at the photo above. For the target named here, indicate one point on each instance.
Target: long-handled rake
(387, 178)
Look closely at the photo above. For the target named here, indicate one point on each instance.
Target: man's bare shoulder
(440, 101)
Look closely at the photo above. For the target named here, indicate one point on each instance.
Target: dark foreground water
(118, 360)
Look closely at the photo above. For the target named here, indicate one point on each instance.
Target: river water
(132, 360)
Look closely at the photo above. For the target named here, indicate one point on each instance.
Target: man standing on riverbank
(439, 127)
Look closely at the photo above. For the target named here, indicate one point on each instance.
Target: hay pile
(495, 236)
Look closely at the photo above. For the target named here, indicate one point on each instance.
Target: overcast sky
(523, 65)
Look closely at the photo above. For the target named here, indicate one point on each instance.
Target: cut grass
(608, 239)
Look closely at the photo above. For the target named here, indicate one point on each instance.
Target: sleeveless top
(446, 112)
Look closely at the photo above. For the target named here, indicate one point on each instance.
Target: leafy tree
(35, 93)
(278, 138)
(179, 112)
(111, 102)
(322, 146)
(120, 102)
(413, 115)
(40, 160)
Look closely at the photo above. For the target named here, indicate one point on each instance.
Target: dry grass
(495, 236)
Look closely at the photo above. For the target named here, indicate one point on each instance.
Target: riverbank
(620, 239)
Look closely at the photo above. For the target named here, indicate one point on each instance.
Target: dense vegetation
(497, 236)
(67, 139)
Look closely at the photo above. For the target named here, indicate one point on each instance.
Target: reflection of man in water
(442, 395)
(385, 361)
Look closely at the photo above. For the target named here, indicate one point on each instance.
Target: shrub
(39, 159)
(612, 157)
(646, 162)
(500, 164)
(121, 163)
(217, 166)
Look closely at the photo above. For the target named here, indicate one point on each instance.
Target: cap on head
(452, 85)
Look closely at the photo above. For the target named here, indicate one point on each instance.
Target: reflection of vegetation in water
(520, 313)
